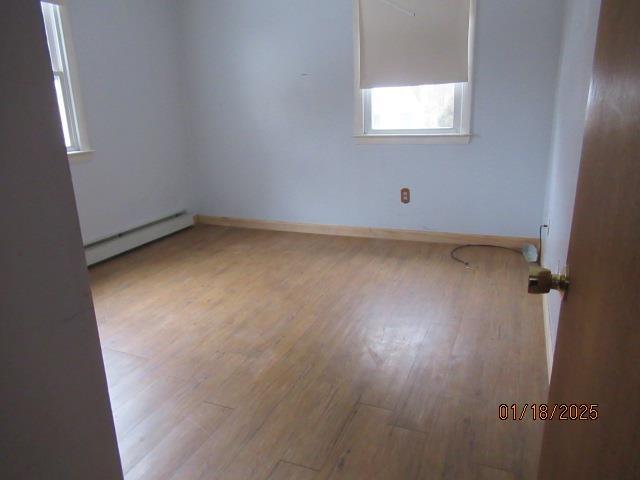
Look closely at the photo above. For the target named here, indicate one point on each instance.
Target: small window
(402, 89)
(422, 114)
(421, 110)
(64, 81)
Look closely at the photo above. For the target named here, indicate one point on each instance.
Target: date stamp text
(543, 411)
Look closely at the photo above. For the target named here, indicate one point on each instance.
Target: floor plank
(289, 471)
(246, 354)
(175, 447)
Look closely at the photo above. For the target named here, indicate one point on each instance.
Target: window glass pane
(54, 37)
(413, 108)
(63, 112)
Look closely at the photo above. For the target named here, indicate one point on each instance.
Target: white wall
(580, 30)
(270, 91)
(127, 55)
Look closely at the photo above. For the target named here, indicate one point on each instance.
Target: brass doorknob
(541, 280)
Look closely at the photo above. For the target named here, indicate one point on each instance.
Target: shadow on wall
(581, 19)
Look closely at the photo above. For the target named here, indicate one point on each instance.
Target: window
(422, 114)
(405, 53)
(422, 110)
(64, 81)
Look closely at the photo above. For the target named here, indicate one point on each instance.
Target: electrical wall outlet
(405, 195)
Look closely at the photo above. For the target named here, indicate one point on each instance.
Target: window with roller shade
(413, 67)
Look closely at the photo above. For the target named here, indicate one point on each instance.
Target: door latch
(541, 280)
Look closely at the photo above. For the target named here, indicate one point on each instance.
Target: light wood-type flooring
(246, 354)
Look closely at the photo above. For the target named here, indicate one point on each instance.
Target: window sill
(80, 156)
(414, 139)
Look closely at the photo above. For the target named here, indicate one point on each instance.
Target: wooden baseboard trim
(367, 232)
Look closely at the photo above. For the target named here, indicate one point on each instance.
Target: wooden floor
(244, 354)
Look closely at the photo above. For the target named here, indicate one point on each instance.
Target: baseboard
(547, 334)
(367, 232)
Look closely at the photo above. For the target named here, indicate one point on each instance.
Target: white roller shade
(413, 42)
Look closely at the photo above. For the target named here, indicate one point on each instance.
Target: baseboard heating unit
(116, 244)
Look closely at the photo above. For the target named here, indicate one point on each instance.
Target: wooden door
(597, 356)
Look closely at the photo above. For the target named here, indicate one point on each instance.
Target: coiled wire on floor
(477, 245)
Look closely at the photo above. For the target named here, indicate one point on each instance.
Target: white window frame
(460, 133)
(68, 77)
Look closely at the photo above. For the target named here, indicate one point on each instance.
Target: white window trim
(84, 150)
(362, 102)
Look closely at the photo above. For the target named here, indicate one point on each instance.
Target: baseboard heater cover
(122, 242)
